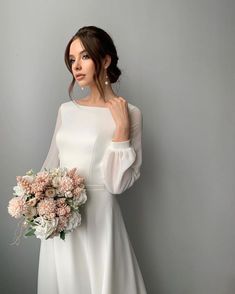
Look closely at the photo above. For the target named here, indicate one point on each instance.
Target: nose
(77, 65)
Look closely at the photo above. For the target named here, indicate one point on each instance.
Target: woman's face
(81, 64)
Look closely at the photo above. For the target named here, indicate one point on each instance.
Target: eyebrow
(70, 55)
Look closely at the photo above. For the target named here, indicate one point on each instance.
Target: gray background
(178, 62)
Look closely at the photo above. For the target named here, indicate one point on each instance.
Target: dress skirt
(96, 258)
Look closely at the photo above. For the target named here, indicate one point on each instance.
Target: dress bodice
(83, 139)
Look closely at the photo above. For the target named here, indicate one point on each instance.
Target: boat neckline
(87, 106)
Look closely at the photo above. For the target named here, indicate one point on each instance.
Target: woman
(101, 136)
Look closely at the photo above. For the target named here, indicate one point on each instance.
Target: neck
(95, 96)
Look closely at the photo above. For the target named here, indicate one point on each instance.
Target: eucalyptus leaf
(30, 232)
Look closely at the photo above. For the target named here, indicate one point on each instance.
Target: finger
(119, 100)
(116, 99)
(122, 99)
(109, 100)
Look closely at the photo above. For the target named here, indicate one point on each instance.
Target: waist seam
(95, 186)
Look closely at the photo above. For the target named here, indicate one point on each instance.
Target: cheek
(91, 66)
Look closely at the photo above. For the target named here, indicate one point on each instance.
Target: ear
(106, 61)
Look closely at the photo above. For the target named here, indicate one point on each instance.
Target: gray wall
(178, 61)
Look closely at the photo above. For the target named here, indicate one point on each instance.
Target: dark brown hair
(97, 43)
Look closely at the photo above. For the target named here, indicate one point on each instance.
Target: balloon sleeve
(122, 161)
(52, 158)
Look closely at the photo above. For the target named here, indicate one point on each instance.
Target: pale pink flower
(30, 179)
(39, 195)
(17, 207)
(60, 202)
(77, 191)
(25, 185)
(37, 187)
(74, 175)
(40, 183)
(46, 206)
(79, 181)
(63, 210)
(63, 220)
(50, 215)
(71, 173)
(66, 184)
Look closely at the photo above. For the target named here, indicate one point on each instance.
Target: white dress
(97, 257)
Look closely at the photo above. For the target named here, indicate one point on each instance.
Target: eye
(86, 56)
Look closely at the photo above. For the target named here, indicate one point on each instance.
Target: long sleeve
(122, 160)
(52, 158)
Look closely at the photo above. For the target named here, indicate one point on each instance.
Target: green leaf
(30, 232)
(62, 235)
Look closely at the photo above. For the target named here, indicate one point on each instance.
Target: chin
(82, 84)
(85, 85)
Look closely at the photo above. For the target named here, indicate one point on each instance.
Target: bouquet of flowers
(49, 201)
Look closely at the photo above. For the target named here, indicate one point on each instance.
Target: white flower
(81, 199)
(68, 194)
(18, 191)
(61, 171)
(78, 200)
(74, 221)
(56, 181)
(50, 192)
(45, 227)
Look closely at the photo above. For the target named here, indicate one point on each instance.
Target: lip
(80, 76)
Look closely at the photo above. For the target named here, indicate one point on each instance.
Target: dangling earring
(106, 77)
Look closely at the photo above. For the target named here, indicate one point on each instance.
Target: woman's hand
(119, 110)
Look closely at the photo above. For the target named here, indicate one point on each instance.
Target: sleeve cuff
(120, 145)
